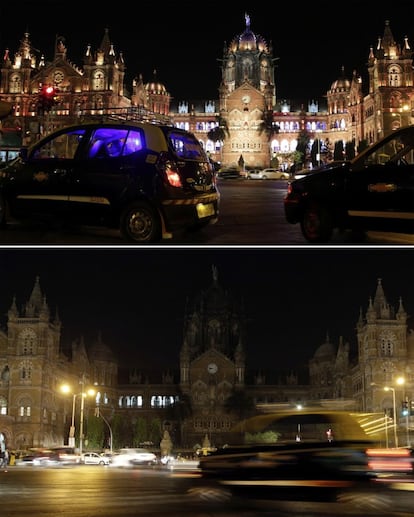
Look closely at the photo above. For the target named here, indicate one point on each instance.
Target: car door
(381, 196)
(103, 181)
(39, 184)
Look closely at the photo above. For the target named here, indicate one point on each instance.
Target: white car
(93, 458)
(267, 174)
(130, 457)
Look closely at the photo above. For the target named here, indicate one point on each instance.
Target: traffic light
(47, 97)
(411, 407)
(404, 408)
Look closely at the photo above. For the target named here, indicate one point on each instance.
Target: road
(251, 214)
(98, 491)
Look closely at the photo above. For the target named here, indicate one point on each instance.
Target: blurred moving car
(129, 457)
(147, 180)
(39, 457)
(93, 458)
(305, 455)
(372, 192)
(229, 173)
(267, 174)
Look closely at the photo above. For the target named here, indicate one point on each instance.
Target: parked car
(372, 192)
(305, 455)
(147, 180)
(93, 458)
(267, 174)
(129, 457)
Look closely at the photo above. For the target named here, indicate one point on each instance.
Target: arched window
(3, 406)
(25, 371)
(98, 80)
(15, 85)
(394, 76)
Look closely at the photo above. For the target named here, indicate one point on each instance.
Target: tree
(219, 132)
(339, 151)
(363, 144)
(267, 126)
(302, 146)
(95, 433)
(350, 149)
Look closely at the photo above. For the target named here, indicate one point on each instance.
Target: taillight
(172, 176)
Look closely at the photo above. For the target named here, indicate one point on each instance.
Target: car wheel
(264, 177)
(316, 224)
(140, 223)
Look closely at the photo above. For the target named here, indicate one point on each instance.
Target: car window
(63, 146)
(186, 146)
(397, 151)
(114, 142)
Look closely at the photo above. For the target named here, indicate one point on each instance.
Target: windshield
(397, 149)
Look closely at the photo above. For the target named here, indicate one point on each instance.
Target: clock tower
(383, 352)
(30, 371)
(212, 362)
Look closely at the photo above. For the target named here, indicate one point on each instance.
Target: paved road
(97, 491)
(251, 214)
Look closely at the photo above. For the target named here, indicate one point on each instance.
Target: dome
(248, 40)
(341, 84)
(325, 351)
(100, 351)
(155, 87)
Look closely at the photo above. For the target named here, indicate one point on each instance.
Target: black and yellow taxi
(372, 192)
(147, 180)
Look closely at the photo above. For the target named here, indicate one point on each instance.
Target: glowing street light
(67, 389)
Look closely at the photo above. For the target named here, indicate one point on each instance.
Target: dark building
(210, 388)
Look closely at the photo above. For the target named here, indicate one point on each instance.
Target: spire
(36, 302)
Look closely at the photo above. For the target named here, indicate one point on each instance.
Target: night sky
(184, 44)
(136, 297)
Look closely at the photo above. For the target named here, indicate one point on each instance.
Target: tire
(316, 224)
(140, 223)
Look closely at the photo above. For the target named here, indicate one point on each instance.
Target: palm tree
(219, 132)
(267, 126)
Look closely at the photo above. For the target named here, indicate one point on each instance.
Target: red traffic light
(49, 91)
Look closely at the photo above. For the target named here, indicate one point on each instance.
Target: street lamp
(71, 441)
(67, 389)
(389, 388)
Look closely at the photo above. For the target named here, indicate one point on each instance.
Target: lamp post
(71, 440)
(82, 408)
(67, 389)
(389, 388)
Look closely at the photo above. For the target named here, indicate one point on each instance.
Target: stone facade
(212, 386)
(257, 125)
